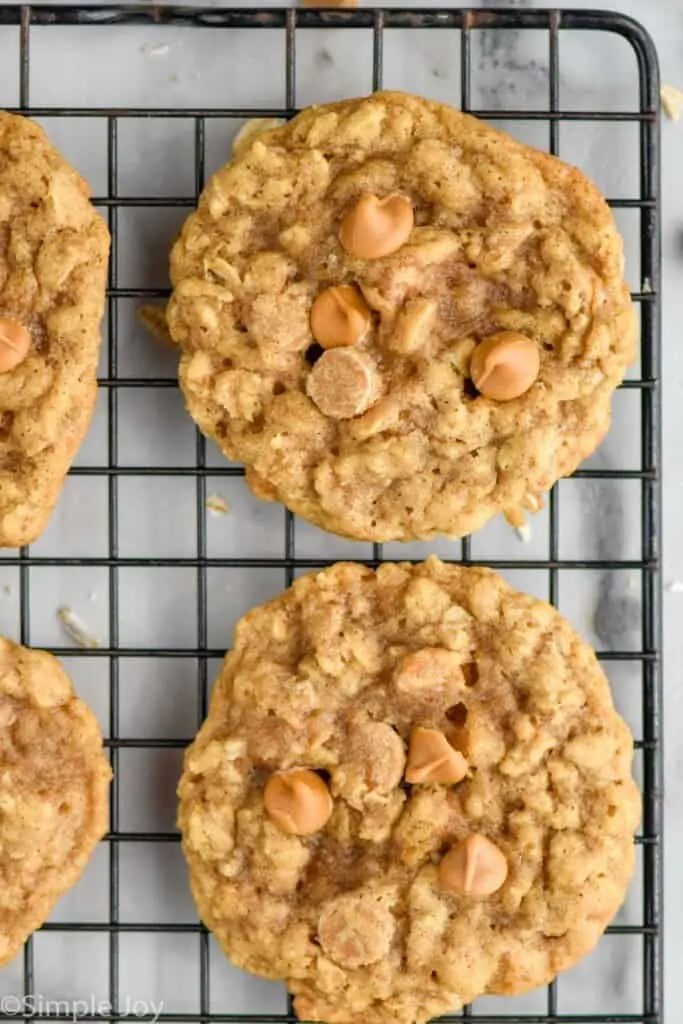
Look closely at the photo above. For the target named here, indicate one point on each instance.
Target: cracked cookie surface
(53, 266)
(505, 239)
(54, 790)
(345, 675)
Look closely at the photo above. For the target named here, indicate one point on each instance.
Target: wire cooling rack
(111, 952)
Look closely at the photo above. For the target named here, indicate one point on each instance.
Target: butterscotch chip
(53, 268)
(376, 227)
(343, 383)
(15, 342)
(427, 885)
(54, 782)
(505, 365)
(453, 233)
(474, 867)
(339, 317)
(298, 801)
(432, 759)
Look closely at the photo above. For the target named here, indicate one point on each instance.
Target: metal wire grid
(554, 23)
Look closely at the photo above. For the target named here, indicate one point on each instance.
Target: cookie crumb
(675, 587)
(672, 101)
(155, 50)
(217, 505)
(76, 629)
(523, 533)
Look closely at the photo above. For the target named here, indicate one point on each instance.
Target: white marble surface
(126, 66)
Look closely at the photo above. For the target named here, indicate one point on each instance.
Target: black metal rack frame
(553, 23)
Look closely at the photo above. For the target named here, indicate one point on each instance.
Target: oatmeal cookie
(400, 319)
(412, 788)
(54, 785)
(53, 266)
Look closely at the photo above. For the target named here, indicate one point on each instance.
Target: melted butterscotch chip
(343, 383)
(339, 317)
(431, 758)
(474, 867)
(376, 227)
(298, 801)
(505, 365)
